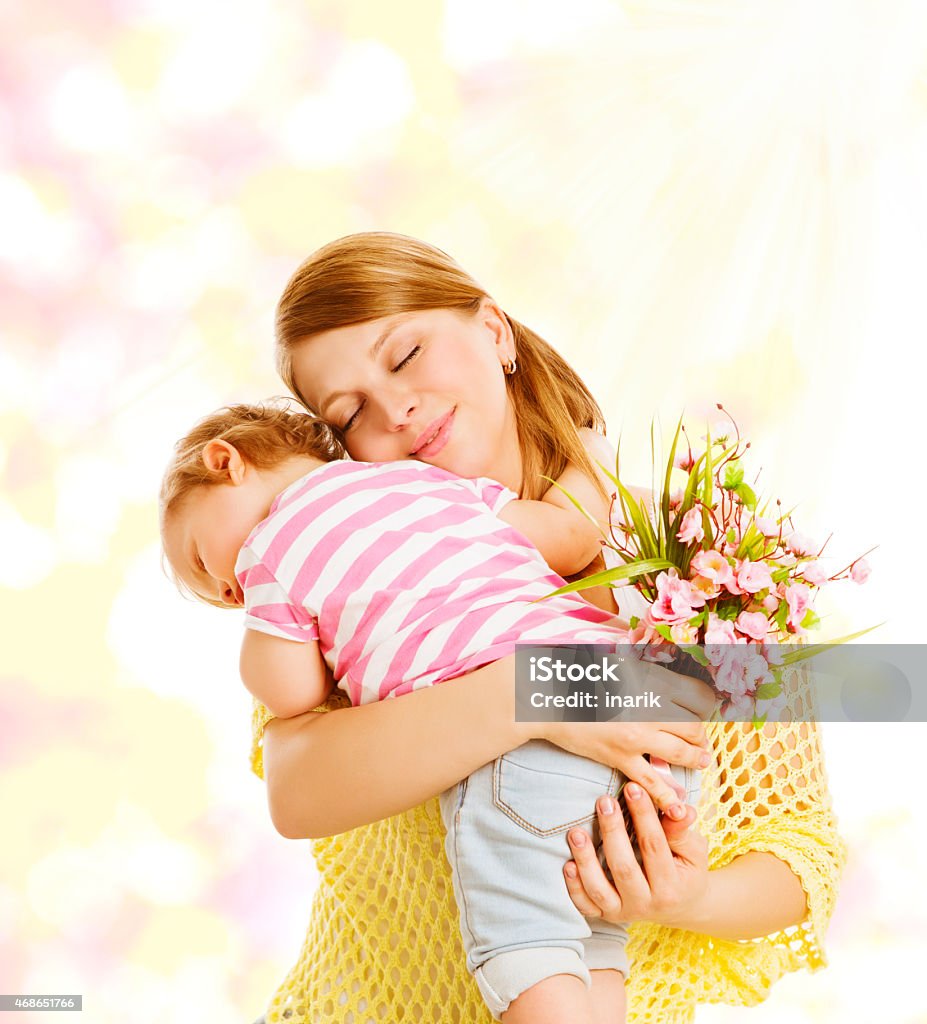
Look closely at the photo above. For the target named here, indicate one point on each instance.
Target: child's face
(437, 370)
(203, 537)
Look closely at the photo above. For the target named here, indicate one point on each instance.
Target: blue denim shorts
(507, 827)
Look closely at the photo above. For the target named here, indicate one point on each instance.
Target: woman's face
(427, 385)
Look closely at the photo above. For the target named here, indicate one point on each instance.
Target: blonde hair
(371, 275)
(265, 435)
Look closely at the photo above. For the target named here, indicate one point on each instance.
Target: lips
(435, 436)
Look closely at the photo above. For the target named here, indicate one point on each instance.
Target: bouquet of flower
(726, 583)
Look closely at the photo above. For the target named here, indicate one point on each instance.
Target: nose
(398, 408)
(229, 595)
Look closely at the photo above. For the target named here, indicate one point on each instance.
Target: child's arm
(288, 677)
(566, 539)
(564, 536)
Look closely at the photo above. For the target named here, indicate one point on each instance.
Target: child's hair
(265, 434)
(376, 274)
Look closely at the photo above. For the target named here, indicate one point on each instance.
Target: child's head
(221, 482)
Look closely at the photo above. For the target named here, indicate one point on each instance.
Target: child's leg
(609, 1001)
(562, 999)
(506, 842)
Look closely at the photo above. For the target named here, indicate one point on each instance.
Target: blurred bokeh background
(694, 201)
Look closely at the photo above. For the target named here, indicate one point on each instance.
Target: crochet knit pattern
(383, 945)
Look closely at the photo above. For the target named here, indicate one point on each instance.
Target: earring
(509, 367)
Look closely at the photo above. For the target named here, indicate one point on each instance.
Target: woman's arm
(777, 841)
(327, 773)
(755, 895)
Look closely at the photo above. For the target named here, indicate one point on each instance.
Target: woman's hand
(671, 888)
(623, 744)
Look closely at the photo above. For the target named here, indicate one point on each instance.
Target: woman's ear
(224, 459)
(498, 324)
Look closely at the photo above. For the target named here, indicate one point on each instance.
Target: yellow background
(694, 201)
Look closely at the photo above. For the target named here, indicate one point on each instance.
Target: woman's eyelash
(412, 354)
(415, 351)
(353, 417)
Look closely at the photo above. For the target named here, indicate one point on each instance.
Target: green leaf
(639, 567)
(633, 622)
(733, 475)
(746, 495)
(767, 691)
(810, 620)
(665, 499)
(695, 653)
(697, 620)
(812, 650)
(728, 611)
(781, 575)
(758, 723)
(664, 631)
(782, 614)
(709, 479)
(707, 527)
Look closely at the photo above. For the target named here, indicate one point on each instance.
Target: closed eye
(408, 359)
(353, 418)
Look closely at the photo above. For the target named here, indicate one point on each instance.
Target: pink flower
(740, 709)
(772, 709)
(768, 527)
(691, 527)
(753, 577)
(686, 460)
(676, 498)
(753, 624)
(741, 671)
(772, 653)
(770, 604)
(644, 632)
(800, 545)
(708, 589)
(798, 597)
(713, 566)
(676, 600)
(683, 633)
(814, 574)
(719, 631)
(860, 571)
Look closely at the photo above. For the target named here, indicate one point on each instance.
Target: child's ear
(224, 459)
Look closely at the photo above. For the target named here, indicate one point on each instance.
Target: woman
(397, 347)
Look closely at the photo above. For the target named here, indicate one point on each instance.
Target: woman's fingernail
(633, 791)
(605, 805)
(578, 838)
(704, 761)
(570, 869)
(677, 812)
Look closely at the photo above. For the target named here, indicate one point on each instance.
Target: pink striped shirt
(405, 576)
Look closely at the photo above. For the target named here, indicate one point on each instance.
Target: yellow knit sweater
(383, 946)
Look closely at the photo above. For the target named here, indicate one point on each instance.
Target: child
(397, 576)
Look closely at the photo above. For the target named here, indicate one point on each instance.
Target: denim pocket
(546, 790)
(693, 784)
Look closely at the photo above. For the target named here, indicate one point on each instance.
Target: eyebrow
(372, 352)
